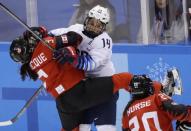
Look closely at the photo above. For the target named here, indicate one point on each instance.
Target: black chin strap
(90, 34)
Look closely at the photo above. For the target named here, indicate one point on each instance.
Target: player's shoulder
(157, 86)
(163, 96)
(49, 40)
(76, 27)
(104, 35)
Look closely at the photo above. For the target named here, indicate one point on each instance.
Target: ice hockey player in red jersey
(149, 111)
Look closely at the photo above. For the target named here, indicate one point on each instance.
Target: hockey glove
(66, 54)
(169, 83)
(40, 31)
(69, 39)
(183, 126)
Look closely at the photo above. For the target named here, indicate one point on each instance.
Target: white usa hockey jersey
(95, 54)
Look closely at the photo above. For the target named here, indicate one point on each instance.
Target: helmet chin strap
(89, 34)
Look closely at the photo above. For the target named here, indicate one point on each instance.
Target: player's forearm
(121, 80)
(177, 111)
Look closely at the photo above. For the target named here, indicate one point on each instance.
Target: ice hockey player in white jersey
(95, 51)
(97, 44)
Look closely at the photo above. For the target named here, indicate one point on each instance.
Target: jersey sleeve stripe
(86, 63)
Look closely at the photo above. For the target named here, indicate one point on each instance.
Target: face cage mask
(93, 27)
(20, 52)
(141, 88)
(142, 93)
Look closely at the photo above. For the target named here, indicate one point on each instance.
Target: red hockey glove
(66, 54)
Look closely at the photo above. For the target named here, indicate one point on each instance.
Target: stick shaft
(22, 111)
(24, 25)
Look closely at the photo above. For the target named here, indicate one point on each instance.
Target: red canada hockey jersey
(149, 114)
(57, 78)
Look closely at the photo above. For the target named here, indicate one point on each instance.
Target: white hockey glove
(172, 83)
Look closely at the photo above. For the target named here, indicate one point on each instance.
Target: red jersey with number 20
(154, 113)
(57, 78)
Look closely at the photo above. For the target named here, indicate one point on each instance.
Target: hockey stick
(11, 121)
(3, 7)
(28, 103)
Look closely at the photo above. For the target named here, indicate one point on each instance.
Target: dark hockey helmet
(96, 21)
(141, 86)
(21, 50)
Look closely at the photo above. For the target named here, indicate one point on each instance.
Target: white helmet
(100, 13)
